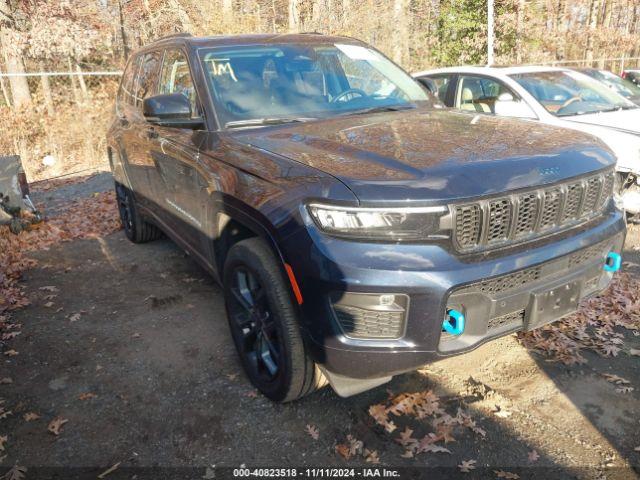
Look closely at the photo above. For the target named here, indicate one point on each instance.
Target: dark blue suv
(359, 229)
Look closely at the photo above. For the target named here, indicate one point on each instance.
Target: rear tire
(135, 227)
(264, 324)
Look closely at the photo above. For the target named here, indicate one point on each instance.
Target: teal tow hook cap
(613, 262)
(454, 322)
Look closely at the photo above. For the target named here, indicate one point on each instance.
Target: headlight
(411, 223)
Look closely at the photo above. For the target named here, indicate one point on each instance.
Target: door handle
(151, 133)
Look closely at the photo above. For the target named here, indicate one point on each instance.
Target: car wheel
(264, 324)
(135, 228)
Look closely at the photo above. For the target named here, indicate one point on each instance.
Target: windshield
(267, 82)
(565, 93)
(623, 87)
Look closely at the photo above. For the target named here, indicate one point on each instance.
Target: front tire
(135, 227)
(264, 324)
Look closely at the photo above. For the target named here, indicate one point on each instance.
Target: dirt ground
(151, 343)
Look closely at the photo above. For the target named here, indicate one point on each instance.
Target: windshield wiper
(382, 108)
(258, 122)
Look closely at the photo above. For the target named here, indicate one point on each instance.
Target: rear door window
(479, 94)
(147, 77)
(440, 86)
(126, 94)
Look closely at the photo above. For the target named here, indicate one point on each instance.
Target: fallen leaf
(637, 449)
(313, 431)
(11, 353)
(75, 317)
(467, 465)
(635, 352)
(16, 473)
(109, 470)
(407, 454)
(533, 456)
(6, 381)
(502, 413)
(49, 288)
(371, 456)
(48, 304)
(616, 379)
(30, 416)
(343, 450)
(87, 396)
(136, 335)
(3, 440)
(624, 389)
(503, 474)
(56, 424)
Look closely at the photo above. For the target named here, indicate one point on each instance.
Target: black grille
(588, 254)
(468, 225)
(572, 205)
(508, 319)
(513, 280)
(500, 221)
(361, 323)
(527, 214)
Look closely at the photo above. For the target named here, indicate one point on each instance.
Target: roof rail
(174, 35)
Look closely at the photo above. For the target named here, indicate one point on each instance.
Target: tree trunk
(46, 91)
(13, 60)
(82, 83)
(74, 88)
(294, 15)
(593, 24)
(227, 11)
(5, 93)
(401, 31)
(123, 35)
(519, 30)
(183, 16)
(561, 27)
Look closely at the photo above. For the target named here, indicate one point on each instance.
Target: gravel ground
(152, 344)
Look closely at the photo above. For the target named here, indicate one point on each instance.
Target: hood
(433, 155)
(623, 120)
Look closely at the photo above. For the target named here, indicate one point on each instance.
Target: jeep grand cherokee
(359, 229)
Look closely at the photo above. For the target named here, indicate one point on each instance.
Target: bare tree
(401, 35)
(593, 24)
(13, 58)
(294, 15)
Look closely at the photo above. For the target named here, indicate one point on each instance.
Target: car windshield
(620, 85)
(565, 93)
(265, 84)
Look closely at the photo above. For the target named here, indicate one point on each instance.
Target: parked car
(555, 96)
(14, 196)
(632, 75)
(622, 86)
(358, 230)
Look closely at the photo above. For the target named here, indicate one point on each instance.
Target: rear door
(181, 187)
(139, 131)
(439, 84)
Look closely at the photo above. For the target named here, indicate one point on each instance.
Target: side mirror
(170, 110)
(507, 106)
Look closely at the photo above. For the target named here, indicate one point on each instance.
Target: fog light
(613, 262)
(370, 315)
(454, 322)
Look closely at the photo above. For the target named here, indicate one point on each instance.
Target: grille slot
(487, 224)
(588, 254)
(572, 204)
(508, 282)
(591, 197)
(361, 323)
(527, 213)
(499, 220)
(508, 319)
(468, 225)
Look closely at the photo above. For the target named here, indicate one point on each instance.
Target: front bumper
(434, 279)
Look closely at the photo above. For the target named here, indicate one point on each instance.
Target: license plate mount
(549, 304)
